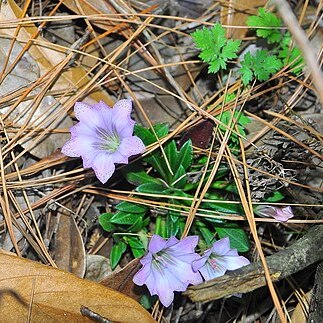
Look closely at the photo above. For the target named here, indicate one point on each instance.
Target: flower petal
(200, 262)
(221, 247)
(124, 127)
(209, 272)
(103, 167)
(131, 146)
(232, 263)
(163, 288)
(142, 275)
(156, 244)
(118, 158)
(88, 115)
(70, 149)
(186, 245)
(284, 214)
(122, 109)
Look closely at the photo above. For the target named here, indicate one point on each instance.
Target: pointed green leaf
(151, 188)
(185, 155)
(104, 221)
(136, 175)
(125, 217)
(131, 207)
(238, 237)
(117, 251)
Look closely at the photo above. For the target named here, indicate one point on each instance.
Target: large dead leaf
(35, 293)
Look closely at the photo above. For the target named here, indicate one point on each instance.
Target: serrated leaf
(117, 251)
(104, 221)
(131, 207)
(125, 217)
(266, 19)
(238, 237)
(260, 65)
(215, 48)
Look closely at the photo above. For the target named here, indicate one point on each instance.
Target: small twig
(303, 253)
(316, 304)
(85, 311)
(303, 43)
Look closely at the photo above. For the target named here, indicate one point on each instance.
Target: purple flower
(103, 137)
(167, 267)
(280, 214)
(217, 260)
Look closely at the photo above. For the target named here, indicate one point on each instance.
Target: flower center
(163, 260)
(108, 141)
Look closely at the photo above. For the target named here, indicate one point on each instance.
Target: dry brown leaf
(122, 280)
(235, 13)
(36, 293)
(46, 57)
(69, 246)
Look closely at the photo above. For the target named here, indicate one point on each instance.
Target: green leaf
(160, 227)
(172, 226)
(185, 155)
(117, 251)
(125, 217)
(104, 221)
(136, 175)
(171, 154)
(155, 160)
(238, 237)
(147, 135)
(151, 188)
(138, 225)
(161, 129)
(137, 253)
(291, 55)
(261, 65)
(134, 242)
(207, 235)
(275, 196)
(131, 207)
(179, 179)
(269, 20)
(215, 48)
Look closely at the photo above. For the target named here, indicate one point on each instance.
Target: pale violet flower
(218, 259)
(103, 137)
(167, 267)
(279, 214)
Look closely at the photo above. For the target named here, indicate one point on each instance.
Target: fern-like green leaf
(262, 66)
(268, 20)
(215, 48)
